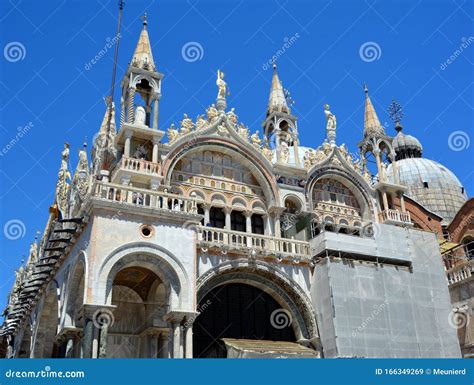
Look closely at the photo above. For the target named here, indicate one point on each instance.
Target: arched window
(237, 221)
(257, 224)
(217, 217)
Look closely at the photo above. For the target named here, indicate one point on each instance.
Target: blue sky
(52, 92)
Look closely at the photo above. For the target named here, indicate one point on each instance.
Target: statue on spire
(222, 91)
(330, 125)
(221, 85)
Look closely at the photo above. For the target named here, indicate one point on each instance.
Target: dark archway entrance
(236, 310)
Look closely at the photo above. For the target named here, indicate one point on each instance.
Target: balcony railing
(395, 217)
(460, 272)
(144, 198)
(229, 240)
(139, 165)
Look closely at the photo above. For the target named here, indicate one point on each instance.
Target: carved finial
(366, 89)
(144, 20)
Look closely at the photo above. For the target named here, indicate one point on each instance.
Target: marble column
(131, 104)
(207, 209)
(396, 176)
(384, 200)
(267, 224)
(87, 339)
(402, 202)
(128, 138)
(95, 342)
(156, 99)
(70, 339)
(277, 225)
(176, 326)
(103, 339)
(164, 345)
(248, 227)
(154, 158)
(296, 150)
(228, 223)
(189, 341)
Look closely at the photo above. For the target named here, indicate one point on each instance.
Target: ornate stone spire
(103, 148)
(277, 101)
(62, 186)
(372, 126)
(142, 57)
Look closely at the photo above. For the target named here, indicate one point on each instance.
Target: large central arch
(256, 165)
(273, 283)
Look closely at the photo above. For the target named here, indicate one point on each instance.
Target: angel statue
(172, 133)
(221, 85)
(186, 125)
(200, 123)
(256, 141)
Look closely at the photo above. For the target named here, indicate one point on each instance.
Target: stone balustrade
(144, 198)
(392, 216)
(229, 240)
(460, 272)
(139, 165)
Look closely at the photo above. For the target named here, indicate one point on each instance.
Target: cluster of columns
(128, 141)
(383, 178)
(176, 341)
(129, 105)
(181, 333)
(271, 220)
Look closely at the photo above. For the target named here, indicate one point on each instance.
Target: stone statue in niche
(140, 116)
(284, 152)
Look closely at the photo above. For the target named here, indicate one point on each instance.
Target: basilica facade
(207, 240)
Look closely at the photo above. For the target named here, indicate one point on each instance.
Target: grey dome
(432, 185)
(406, 143)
